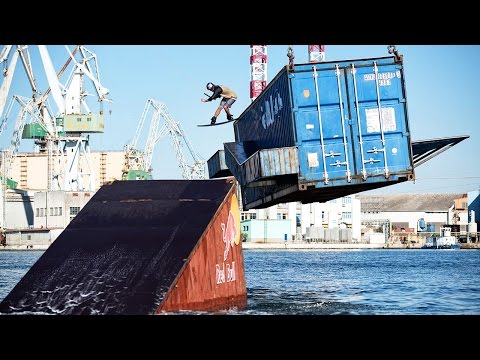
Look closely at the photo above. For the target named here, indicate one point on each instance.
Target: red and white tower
(316, 53)
(258, 64)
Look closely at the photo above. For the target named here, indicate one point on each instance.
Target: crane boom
(26, 107)
(139, 163)
(174, 129)
(55, 85)
(5, 52)
(27, 64)
(7, 81)
(102, 91)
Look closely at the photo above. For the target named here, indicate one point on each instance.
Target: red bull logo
(229, 233)
(230, 237)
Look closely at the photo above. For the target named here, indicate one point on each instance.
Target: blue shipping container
(347, 121)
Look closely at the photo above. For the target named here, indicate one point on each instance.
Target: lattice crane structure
(138, 163)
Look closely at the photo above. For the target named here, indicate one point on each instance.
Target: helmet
(210, 86)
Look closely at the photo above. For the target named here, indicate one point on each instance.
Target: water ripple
(297, 282)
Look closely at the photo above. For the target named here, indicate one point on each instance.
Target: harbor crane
(27, 105)
(138, 163)
(60, 133)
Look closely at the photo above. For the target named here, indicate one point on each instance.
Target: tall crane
(73, 119)
(316, 53)
(8, 70)
(61, 132)
(258, 65)
(27, 105)
(258, 70)
(138, 163)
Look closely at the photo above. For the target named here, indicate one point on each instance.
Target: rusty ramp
(142, 247)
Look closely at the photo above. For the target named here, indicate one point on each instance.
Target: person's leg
(217, 112)
(227, 106)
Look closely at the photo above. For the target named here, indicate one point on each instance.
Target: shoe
(213, 120)
(230, 117)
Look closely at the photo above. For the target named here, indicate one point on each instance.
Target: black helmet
(210, 86)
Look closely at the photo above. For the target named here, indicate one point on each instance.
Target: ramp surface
(123, 251)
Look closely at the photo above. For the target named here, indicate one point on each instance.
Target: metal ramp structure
(142, 247)
(424, 150)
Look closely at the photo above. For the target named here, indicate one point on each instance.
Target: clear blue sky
(442, 84)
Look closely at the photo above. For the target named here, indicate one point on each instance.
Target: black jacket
(217, 90)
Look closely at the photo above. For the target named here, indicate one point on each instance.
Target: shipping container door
(381, 148)
(319, 98)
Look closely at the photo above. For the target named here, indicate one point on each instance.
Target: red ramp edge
(213, 276)
(141, 247)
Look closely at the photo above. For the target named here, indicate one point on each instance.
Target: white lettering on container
(383, 78)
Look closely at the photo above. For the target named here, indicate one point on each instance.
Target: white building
(55, 209)
(17, 208)
(341, 215)
(420, 213)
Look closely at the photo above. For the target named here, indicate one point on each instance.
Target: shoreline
(338, 246)
(287, 245)
(280, 246)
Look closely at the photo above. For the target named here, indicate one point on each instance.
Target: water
(329, 282)
(13, 265)
(365, 282)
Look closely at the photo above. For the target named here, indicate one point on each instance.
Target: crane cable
(392, 49)
(290, 58)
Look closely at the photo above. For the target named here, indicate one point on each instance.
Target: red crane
(316, 53)
(258, 65)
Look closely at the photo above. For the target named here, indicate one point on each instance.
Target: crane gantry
(138, 163)
(60, 132)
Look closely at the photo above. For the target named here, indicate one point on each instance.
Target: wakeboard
(218, 123)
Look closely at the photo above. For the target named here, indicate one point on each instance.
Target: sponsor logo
(225, 272)
(271, 109)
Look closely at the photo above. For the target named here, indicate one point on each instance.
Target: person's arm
(217, 90)
(216, 93)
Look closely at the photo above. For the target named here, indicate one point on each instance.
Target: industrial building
(30, 169)
(304, 222)
(355, 218)
(421, 215)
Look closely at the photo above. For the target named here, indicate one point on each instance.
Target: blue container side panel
(341, 144)
(217, 166)
(277, 162)
(324, 90)
(263, 164)
(386, 144)
(268, 119)
(235, 157)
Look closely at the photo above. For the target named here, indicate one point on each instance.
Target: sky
(442, 85)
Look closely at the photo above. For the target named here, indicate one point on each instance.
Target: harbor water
(338, 282)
